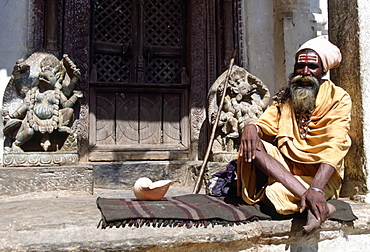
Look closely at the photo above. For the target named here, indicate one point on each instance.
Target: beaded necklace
(303, 120)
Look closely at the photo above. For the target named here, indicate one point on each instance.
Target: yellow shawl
(327, 139)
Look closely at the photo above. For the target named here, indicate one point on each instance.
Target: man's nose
(306, 71)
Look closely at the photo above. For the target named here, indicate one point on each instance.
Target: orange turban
(330, 54)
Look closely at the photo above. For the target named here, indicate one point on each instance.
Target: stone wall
(348, 22)
(14, 32)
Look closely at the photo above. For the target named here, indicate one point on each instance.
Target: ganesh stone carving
(38, 111)
(246, 98)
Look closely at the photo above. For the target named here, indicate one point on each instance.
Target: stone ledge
(123, 175)
(22, 180)
(255, 236)
(70, 223)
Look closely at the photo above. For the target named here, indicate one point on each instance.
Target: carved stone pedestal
(40, 159)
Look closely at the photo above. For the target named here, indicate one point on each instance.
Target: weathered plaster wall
(294, 24)
(13, 43)
(259, 29)
(274, 31)
(348, 22)
(319, 9)
(14, 32)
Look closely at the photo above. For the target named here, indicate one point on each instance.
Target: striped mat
(193, 210)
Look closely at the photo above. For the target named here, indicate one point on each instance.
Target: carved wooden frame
(201, 70)
(37, 25)
(76, 43)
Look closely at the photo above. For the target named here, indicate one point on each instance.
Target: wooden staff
(212, 137)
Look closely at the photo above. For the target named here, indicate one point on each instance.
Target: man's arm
(314, 198)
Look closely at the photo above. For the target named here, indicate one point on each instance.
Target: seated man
(307, 126)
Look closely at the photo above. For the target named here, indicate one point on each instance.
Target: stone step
(55, 222)
(86, 177)
(22, 180)
(123, 175)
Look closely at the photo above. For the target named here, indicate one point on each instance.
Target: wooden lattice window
(138, 83)
(138, 41)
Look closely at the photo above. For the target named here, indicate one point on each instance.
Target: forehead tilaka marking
(308, 58)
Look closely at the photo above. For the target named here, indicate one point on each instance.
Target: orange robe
(326, 141)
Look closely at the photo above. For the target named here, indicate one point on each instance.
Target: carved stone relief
(38, 112)
(246, 98)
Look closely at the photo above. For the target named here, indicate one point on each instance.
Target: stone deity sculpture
(38, 105)
(246, 98)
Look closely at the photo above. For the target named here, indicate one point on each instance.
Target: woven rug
(193, 210)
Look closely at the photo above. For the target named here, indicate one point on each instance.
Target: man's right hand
(316, 202)
(249, 142)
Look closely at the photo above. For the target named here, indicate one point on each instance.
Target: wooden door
(138, 81)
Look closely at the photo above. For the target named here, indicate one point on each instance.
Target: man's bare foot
(312, 223)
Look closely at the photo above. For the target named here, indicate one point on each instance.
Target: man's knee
(283, 200)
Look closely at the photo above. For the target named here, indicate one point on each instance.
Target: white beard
(304, 96)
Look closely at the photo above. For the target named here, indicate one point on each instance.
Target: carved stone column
(294, 25)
